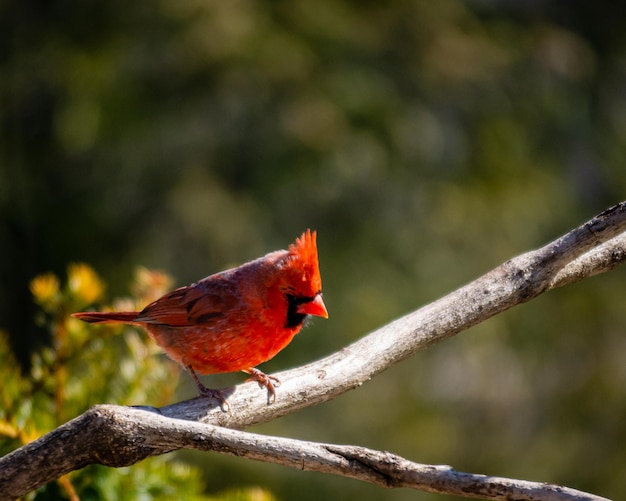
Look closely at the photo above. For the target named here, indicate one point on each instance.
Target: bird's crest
(304, 249)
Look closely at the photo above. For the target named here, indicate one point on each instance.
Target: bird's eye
(294, 300)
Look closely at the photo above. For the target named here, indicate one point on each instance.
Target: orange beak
(315, 307)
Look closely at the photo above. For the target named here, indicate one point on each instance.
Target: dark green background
(427, 142)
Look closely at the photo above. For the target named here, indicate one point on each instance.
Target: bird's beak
(315, 307)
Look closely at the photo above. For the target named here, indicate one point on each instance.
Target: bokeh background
(427, 142)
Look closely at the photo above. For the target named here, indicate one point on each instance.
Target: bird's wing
(195, 304)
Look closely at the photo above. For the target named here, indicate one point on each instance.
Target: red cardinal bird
(236, 319)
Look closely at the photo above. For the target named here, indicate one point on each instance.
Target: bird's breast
(224, 347)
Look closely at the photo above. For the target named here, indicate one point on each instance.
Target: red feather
(236, 319)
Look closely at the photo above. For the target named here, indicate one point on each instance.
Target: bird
(236, 319)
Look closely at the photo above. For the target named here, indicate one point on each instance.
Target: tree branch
(599, 260)
(111, 432)
(595, 247)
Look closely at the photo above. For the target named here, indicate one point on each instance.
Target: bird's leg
(265, 381)
(208, 392)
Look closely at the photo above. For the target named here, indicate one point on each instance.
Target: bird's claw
(208, 392)
(265, 381)
(217, 395)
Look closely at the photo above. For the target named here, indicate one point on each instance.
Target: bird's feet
(208, 392)
(217, 395)
(265, 381)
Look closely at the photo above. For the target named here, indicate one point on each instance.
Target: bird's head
(301, 281)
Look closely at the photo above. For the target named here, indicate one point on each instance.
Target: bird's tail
(101, 317)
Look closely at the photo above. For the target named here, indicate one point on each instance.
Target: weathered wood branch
(121, 436)
(597, 246)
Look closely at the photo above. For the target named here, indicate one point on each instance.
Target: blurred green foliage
(426, 142)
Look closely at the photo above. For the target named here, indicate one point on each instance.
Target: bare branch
(111, 432)
(599, 260)
(594, 247)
